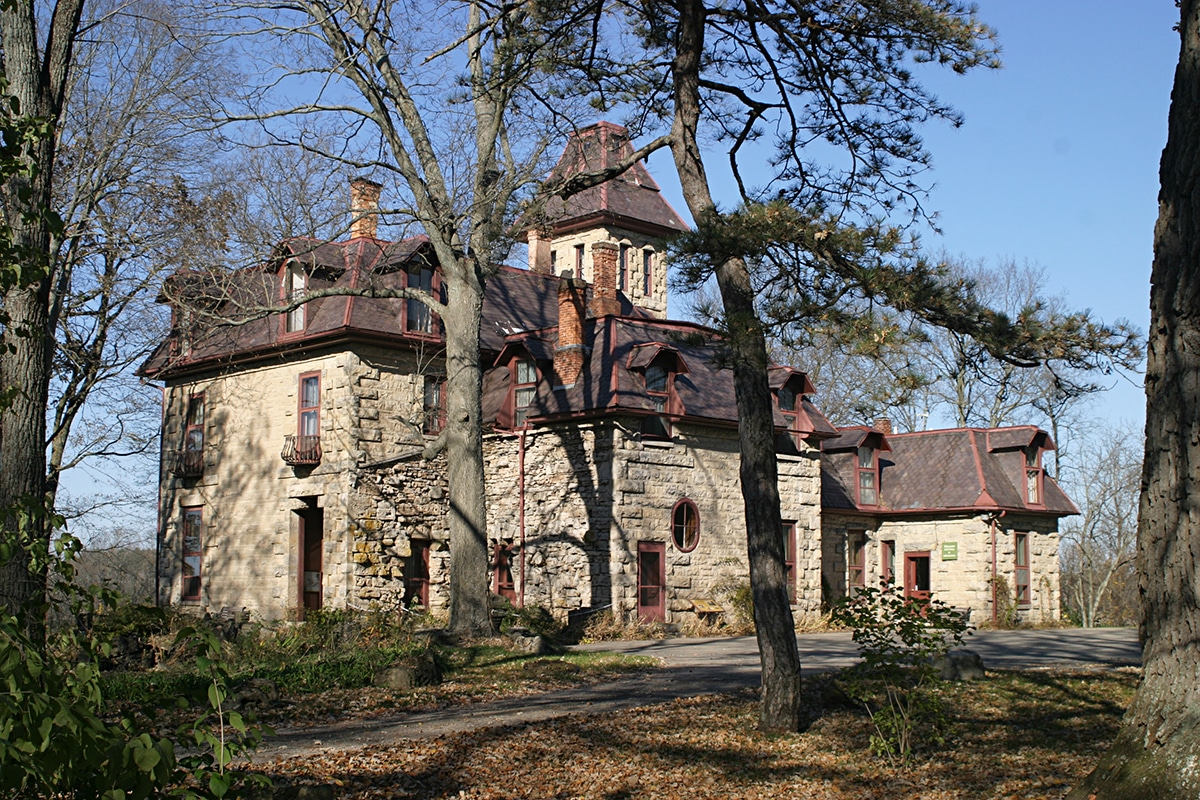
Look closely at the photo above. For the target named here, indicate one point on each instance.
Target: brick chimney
(568, 355)
(539, 252)
(364, 208)
(883, 425)
(604, 286)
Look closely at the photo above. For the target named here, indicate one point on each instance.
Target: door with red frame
(651, 590)
(312, 543)
(916, 576)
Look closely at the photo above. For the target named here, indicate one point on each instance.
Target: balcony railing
(188, 464)
(301, 450)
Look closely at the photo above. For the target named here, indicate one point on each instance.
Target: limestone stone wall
(390, 508)
(960, 552)
(250, 499)
(572, 502)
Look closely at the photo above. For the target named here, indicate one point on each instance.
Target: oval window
(685, 526)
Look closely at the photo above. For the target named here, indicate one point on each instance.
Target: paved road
(699, 666)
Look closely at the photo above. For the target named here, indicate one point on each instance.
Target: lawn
(1027, 734)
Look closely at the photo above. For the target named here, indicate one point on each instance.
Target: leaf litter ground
(1018, 734)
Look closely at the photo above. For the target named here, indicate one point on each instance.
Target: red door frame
(910, 575)
(651, 581)
(312, 541)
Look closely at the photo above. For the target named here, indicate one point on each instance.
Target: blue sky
(1057, 162)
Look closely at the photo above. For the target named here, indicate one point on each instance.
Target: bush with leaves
(56, 737)
(900, 640)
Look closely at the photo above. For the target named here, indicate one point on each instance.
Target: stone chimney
(539, 252)
(568, 355)
(604, 286)
(883, 425)
(364, 208)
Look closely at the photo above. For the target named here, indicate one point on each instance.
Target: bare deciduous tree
(429, 93)
(1100, 544)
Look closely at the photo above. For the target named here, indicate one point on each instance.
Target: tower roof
(631, 200)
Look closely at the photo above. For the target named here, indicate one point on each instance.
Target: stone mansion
(292, 475)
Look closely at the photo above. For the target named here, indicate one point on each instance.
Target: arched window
(685, 526)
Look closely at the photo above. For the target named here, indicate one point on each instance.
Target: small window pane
(195, 414)
(310, 392)
(526, 371)
(866, 488)
(525, 397)
(866, 457)
(1032, 482)
(787, 399)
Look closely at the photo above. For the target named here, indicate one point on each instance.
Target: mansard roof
(958, 469)
(229, 322)
(632, 200)
(612, 381)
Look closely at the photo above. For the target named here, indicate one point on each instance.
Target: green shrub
(900, 641)
(58, 739)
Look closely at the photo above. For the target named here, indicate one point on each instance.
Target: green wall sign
(949, 551)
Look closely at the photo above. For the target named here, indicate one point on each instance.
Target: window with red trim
(1021, 564)
(524, 389)
(418, 316)
(434, 405)
(309, 423)
(191, 524)
(579, 261)
(788, 402)
(1033, 475)
(868, 476)
(685, 526)
(887, 560)
(295, 286)
(856, 542)
(789, 559)
(658, 389)
(416, 574)
(193, 434)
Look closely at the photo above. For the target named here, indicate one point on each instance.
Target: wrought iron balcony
(301, 451)
(188, 464)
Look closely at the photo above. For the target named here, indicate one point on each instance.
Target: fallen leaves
(1005, 742)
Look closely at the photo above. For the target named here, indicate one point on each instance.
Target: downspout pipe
(521, 508)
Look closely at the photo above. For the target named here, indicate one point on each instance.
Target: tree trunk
(37, 80)
(780, 657)
(1156, 751)
(470, 607)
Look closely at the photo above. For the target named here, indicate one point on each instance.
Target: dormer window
(658, 381)
(524, 389)
(295, 286)
(1033, 475)
(788, 402)
(659, 365)
(868, 476)
(419, 317)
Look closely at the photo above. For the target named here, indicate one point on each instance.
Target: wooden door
(916, 576)
(312, 544)
(651, 590)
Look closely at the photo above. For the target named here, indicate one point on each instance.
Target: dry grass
(1028, 734)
